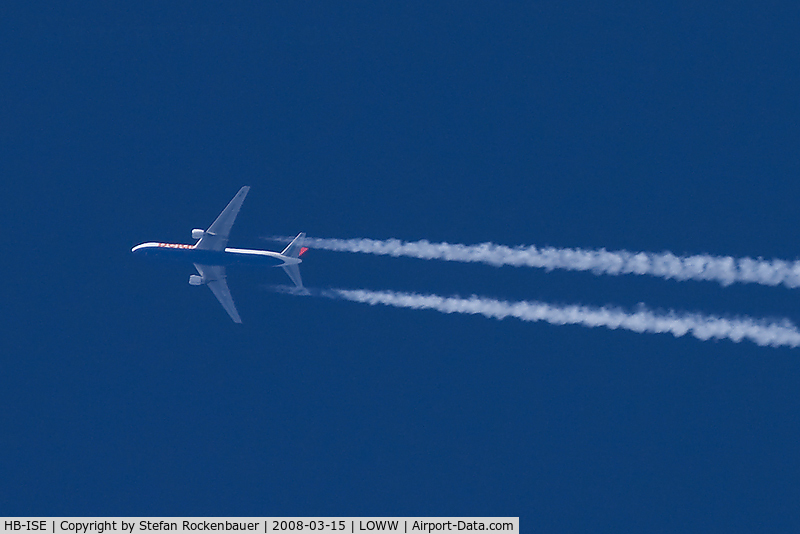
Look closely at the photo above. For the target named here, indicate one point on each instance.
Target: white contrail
(704, 327)
(723, 269)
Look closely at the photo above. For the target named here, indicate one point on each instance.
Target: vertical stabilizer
(295, 248)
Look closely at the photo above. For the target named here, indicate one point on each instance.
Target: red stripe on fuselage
(175, 245)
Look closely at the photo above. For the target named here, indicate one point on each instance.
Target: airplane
(210, 255)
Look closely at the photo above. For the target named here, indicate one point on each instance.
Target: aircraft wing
(214, 277)
(216, 237)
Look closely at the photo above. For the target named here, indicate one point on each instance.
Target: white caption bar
(263, 525)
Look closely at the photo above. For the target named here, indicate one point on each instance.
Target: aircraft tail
(295, 249)
(294, 273)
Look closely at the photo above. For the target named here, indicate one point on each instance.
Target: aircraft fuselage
(228, 256)
(210, 255)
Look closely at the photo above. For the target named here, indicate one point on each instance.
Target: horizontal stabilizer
(294, 273)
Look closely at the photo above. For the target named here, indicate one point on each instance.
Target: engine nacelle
(195, 280)
(197, 233)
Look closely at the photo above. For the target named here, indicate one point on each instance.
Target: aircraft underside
(176, 252)
(210, 255)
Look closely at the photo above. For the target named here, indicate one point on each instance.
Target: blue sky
(638, 127)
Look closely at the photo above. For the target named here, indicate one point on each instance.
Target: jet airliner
(210, 255)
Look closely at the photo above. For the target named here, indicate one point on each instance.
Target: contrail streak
(723, 269)
(704, 327)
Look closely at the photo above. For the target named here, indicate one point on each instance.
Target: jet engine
(195, 280)
(197, 233)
